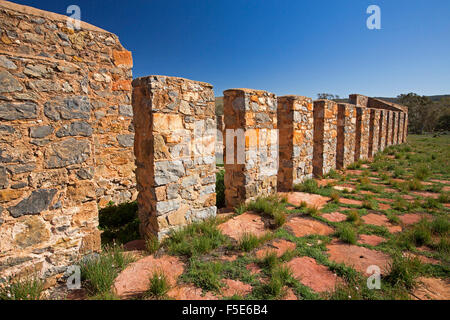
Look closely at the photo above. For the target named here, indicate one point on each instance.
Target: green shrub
(272, 207)
(347, 234)
(119, 223)
(440, 225)
(152, 244)
(403, 271)
(353, 216)
(422, 171)
(220, 189)
(308, 186)
(205, 275)
(159, 286)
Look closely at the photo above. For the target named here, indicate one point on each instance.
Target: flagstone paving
(334, 217)
(312, 200)
(246, 223)
(381, 221)
(372, 240)
(235, 287)
(432, 289)
(412, 218)
(189, 292)
(279, 247)
(350, 201)
(301, 227)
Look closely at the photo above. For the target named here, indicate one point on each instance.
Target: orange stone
(350, 201)
(313, 200)
(235, 287)
(313, 275)
(189, 292)
(279, 247)
(301, 227)
(372, 240)
(248, 222)
(412, 218)
(121, 85)
(335, 217)
(432, 289)
(123, 58)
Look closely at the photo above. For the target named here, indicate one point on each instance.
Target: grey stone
(125, 140)
(45, 85)
(6, 129)
(16, 111)
(37, 202)
(77, 107)
(21, 168)
(67, 152)
(63, 36)
(208, 190)
(99, 114)
(172, 191)
(80, 128)
(126, 110)
(262, 117)
(202, 214)
(40, 142)
(3, 178)
(19, 185)
(189, 181)
(168, 171)
(85, 173)
(7, 64)
(1, 220)
(209, 179)
(41, 132)
(36, 71)
(164, 207)
(8, 83)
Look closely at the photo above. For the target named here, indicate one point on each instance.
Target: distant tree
(424, 114)
(328, 96)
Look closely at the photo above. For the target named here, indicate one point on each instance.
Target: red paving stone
(301, 227)
(135, 279)
(189, 292)
(440, 181)
(345, 188)
(313, 275)
(355, 172)
(432, 289)
(426, 194)
(289, 294)
(229, 258)
(385, 200)
(334, 217)
(412, 218)
(407, 197)
(370, 193)
(325, 182)
(247, 222)
(350, 201)
(313, 200)
(381, 221)
(383, 206)
(360, 258)
(446, 189)
(235, 287)
(372, 239)
(135, 245)
(421, 258)
(279, 247)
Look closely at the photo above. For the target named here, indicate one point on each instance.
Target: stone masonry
(362, 133)
(374, 131)
(251, 140)
(394, 128)
(175, 152)
(325, 137)
(345, 150)
(65, 138)
(400, 128)
(389, 128)
(382, 131)
(295, 125)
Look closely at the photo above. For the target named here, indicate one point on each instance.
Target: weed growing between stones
(195, 239)
(272, 207)
(206, 275)
(403, 271)
(347, 234)
(99, 272)
(152, 244)
(308, 186)
(25, 288)
(159, 286)
(248, 242)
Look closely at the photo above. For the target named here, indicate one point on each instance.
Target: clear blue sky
(287, 46)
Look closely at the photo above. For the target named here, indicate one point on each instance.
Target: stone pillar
(359, 100)
(175, 128)
(219, 139)
(325, 137)
(362, 133)
(389, 128)
(295, 125)
(251, 145)
(400, 128)
(382, 129)
(346, 130)
(394, 127)
(374, 131)
(405, 129)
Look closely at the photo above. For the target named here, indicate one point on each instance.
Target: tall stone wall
(295, 125)
(374, 131)
(175, 129)
(65, 139)
(390, 116)
(405, 128)
(346, 131)
(251, 145)
(394, 127)
(382, 131)
(362, 133)
(325, 137)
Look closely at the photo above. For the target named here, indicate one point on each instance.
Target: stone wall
(346, 130)
(382, 131)
(65, 137)
(325, 137)
(295, 125)
(390, 116)
(251, 145)
(374, 131)
(362, 133)
(175, 152)
(394, 127)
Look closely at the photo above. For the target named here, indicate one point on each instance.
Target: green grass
(272, 207)
(347, 234)
(152, 244)
(206, 275)
(308, 186)
(159, 285)
(195, 239)
(22, 288)
(403, 271)
(99, 272)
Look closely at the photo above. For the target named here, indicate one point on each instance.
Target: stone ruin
(77, 133)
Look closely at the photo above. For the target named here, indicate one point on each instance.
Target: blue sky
(287, 46)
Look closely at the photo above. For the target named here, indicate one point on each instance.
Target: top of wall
(45, 14)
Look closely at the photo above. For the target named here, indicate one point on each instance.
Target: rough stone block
(346, 128)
